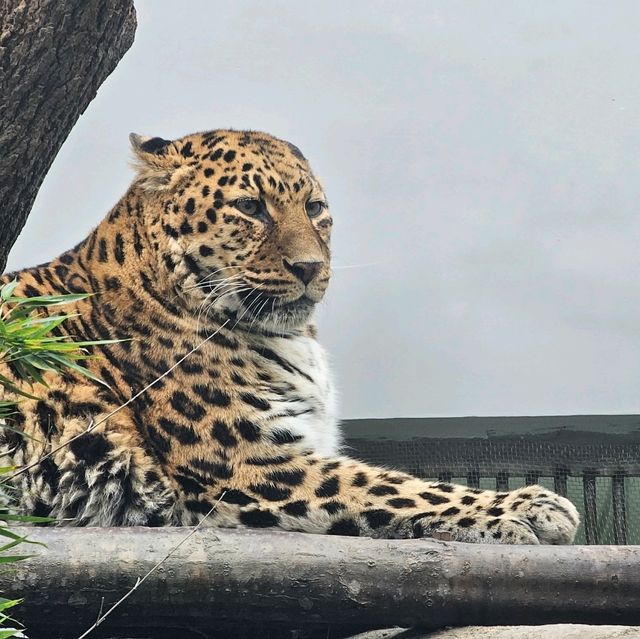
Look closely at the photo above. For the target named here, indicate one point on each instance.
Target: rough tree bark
(221, 577)
(54, 54)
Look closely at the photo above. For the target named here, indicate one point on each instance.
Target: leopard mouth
(273, 309)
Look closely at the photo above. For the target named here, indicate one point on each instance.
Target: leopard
(210, 400)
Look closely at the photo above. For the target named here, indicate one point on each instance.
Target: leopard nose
(304, 271)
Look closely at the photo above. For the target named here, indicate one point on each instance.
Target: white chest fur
(300, 392)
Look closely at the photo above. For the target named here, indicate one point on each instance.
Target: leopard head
(243, 224)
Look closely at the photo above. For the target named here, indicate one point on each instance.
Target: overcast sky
(481, 160)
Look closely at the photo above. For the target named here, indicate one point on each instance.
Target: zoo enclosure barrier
(594, 460)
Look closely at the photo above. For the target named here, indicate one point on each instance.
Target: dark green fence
(594, 460)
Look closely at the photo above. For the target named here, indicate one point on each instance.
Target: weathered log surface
(54, 54)
(553, 631)
(224, 577)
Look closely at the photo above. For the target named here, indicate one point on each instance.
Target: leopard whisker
(345, 266)
(257, 313)
(247, 310)
(210, 276)
(225, 294)
(207, 304)
(205, 282)
(253, 304)
(208, 297)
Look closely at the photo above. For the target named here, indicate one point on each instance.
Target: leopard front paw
(529, 515)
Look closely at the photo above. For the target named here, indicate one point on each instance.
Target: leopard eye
(314, 208)
(254, 208)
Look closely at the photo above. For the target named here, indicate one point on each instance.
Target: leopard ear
(144, 144)
(157, 163)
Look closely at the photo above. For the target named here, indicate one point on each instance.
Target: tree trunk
(221, 578)
(54, 54)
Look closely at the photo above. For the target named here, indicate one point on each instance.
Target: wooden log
(554, 631)
(225, 577)
(54, 54)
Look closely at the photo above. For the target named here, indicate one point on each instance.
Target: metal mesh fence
(592, 460)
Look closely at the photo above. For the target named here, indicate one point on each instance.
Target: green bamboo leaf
(7, 290)
(7, 409)
(10, 386)
(5, 532)
(11, 544)
(100, 342)
(80, 369)
(28, 519)
(12, 559)
(19, 539)
(27, 372)
(48, 300)
(44, 325)
(37, 362)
